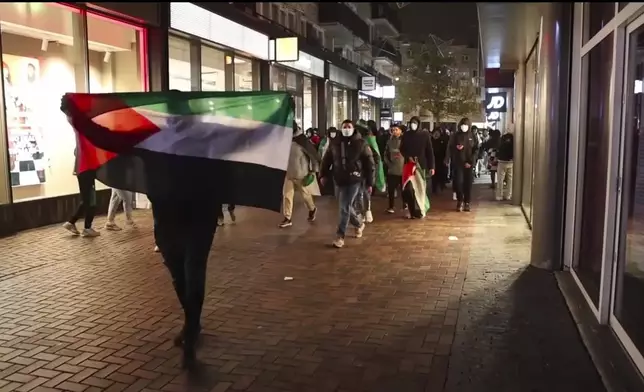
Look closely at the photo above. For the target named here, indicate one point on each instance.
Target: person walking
(416, 146)
(394, 162)
(350, 162)
(231, 212)
(505, 158)
(120, 196)
(462, 151)
(439, 144)
(87, 208)
(491, 146)
(303, 162)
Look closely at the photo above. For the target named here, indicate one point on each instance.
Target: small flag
(187, 145)
(414, 181)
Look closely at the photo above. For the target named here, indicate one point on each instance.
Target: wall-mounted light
(44, 45)
(229, 60)
(107, 56)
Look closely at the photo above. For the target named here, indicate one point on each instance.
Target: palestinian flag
(414, 182)
(380, 183)
(226, 147)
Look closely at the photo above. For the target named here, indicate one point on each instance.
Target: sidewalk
(401, 309)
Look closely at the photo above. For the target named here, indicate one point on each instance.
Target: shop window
(308, 103)
(179, 64)
(597, 15)
(43, 57)
(213, 69)
(115, 56)
(630, 267)
(339, 106)
(278, 78)
(593, 208)
(245, 74)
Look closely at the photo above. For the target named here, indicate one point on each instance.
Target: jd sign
(496, 102)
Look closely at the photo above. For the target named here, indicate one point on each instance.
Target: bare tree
(430, 80)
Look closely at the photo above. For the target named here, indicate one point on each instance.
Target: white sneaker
(368, 217)
(359, 230)
(390, 211)
(111, 226)
(220, 221)
(338, 242)
(71, 228)
(131, 223)
(90, 233)
(454, 197)
(156, 249)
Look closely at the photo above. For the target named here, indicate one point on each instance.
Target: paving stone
(397, 310)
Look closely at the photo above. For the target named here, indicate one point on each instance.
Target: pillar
(519, 131)
(158, 51)
(549, 193)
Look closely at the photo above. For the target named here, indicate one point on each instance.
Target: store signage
(493, 116)
(308, 64)
(385, 112)
(496, 102)
(194, 20)
(367, 83)
(283, 49)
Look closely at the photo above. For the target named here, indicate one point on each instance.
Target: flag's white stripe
(220, 137)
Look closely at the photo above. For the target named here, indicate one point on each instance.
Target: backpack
(505, 151)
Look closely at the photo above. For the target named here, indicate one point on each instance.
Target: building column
(158, 51)
(519, 132)
(549, 192)
(355, 104)
(321, 90)
(264, 75)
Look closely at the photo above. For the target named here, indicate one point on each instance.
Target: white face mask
(332, 134)
(347, 132)
(414, 126)
(464, 127)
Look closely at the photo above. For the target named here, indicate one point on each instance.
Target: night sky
(449, 20)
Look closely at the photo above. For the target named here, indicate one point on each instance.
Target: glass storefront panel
(339, 106)
(629, 289)
(595, 167)
(278, 78)
(43, 57)
(244, 74)
(308, 103)
(213, 69)
(179, 64)
(366, 108)
(597, 15)
(529, 118)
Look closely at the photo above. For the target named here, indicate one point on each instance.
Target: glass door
(627, 318)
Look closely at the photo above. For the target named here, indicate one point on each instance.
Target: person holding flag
(189, 152)
(416, 148)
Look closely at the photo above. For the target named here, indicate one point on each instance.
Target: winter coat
(417, 145)
(393, 157)
(349, 161)
(468, 154)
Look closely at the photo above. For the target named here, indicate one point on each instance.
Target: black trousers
(394, 183)
(87, 207)
(463, 180)
(184, 235)
(439, 179)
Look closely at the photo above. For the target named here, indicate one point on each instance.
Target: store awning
(507, 32)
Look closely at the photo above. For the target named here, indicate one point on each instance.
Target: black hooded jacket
(349, 161)
(418, 145)
(469, 153)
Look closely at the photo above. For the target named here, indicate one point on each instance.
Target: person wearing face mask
(395, 163)
(350, 163)
(303, 161)
(462, 150)
(416, 147)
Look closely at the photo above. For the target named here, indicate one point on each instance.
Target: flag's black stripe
(184, 179)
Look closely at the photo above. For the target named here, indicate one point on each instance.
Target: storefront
(47, 50)
(376, 102)
(605, 203)
(300, 79)
(342, 95)
(213, 54)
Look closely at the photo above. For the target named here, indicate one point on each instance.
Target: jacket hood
(416, 119)
(465, 121)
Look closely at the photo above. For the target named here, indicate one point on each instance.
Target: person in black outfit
(416, 146)
(462, 151)
(439, 144)
(87, 208)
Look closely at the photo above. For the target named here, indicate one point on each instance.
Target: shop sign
(496, 102)
(367, 83)
(307, 63)
(385, 112)
(194, 20)
(342, 77)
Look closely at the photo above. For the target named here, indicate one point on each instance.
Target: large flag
(230, 146)
(414, 181)
(380, 183)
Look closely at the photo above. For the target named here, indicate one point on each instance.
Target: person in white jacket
(303, 161)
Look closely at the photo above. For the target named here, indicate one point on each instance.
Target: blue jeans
(363, 200)
(346, 197)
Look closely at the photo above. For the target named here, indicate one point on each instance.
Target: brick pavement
(382, 314)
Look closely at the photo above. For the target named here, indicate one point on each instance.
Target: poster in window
(21, 78)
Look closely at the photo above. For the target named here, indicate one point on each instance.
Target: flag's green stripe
(269, 107)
